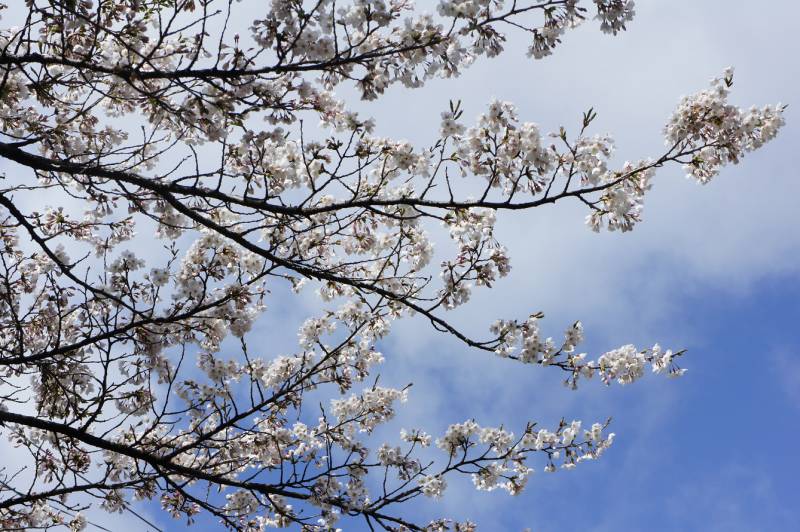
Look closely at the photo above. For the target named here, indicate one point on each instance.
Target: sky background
(714, 269)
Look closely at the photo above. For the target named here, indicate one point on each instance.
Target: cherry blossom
(193, 163)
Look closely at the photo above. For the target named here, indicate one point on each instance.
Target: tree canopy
(214, 129)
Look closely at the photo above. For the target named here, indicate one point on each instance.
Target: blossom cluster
(524, 342)
(500, 460)
(718, 133)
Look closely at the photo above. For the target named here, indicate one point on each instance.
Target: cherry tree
(213, 129)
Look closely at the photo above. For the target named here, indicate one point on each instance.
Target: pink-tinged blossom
(195, 176)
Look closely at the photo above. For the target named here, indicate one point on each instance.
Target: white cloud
(786, 367)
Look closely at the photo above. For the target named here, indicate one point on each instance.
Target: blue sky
(714, 269)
